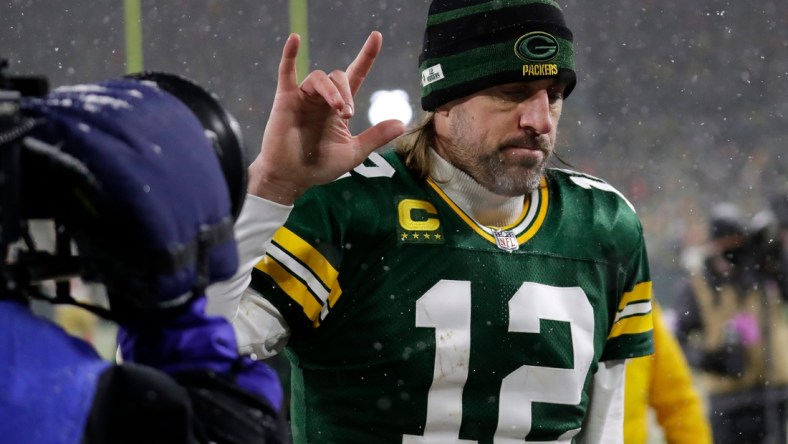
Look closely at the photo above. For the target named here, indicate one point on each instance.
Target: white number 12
(446, 307)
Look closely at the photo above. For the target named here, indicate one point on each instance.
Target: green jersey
(412, 323)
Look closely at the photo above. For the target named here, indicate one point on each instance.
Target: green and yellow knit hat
(470, 45)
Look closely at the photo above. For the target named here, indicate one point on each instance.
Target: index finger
(357, 70)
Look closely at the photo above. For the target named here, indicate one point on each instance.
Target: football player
(453, 289)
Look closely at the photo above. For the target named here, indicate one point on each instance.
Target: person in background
(663, 382)
(452, 288)
(733, 325)
(774, 244)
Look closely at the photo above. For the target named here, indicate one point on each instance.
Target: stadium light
(390, 104)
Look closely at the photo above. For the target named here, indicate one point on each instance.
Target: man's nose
(534, 113)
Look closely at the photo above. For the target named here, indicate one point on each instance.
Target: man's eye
(513, 96)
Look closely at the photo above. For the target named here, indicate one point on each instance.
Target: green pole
(133, 20)
(299, 24)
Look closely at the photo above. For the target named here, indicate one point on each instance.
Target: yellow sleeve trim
(634, 312)
(336, 292)
(293, 287)
(632, 326)
(306, 253)
(641, 292)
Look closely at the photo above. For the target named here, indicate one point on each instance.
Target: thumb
(381, 134)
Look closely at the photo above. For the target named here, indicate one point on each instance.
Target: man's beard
(508, 184)
(490, 171)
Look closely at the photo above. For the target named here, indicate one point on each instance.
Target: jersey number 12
(446, 307)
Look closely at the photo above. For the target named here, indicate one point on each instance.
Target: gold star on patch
(404, 236)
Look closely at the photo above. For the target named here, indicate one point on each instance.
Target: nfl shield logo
(506, 240)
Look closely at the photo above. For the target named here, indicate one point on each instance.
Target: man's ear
(442, 116)
(443, 110)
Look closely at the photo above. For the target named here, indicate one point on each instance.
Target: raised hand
(307, 141)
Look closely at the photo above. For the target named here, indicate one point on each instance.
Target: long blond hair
(414, 145)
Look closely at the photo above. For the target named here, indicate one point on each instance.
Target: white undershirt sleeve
(259, 327)
(604, 421)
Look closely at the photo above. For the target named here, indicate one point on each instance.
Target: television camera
(143, 177)
(45, 175)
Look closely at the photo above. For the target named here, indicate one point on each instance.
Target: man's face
(502, 136)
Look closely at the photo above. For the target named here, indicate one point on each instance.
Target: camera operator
(732, 320)
(129, 172)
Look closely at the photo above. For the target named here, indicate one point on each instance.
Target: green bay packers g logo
(536, 47)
